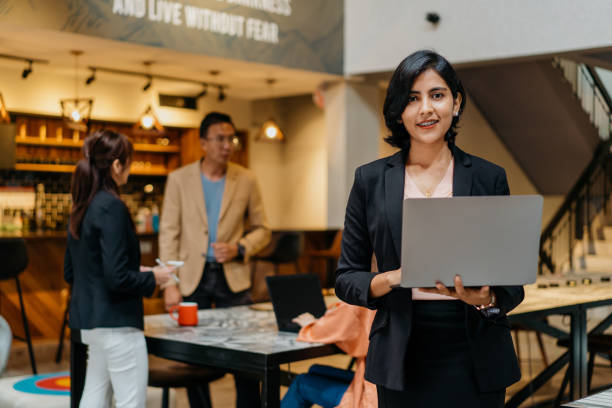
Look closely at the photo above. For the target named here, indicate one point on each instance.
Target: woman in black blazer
(449, 346)
(102, 264)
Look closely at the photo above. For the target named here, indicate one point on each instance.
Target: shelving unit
(138, 147)
(153, 170)
(57, 148)
(155, 153)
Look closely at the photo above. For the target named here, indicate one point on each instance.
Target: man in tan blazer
(207, 206)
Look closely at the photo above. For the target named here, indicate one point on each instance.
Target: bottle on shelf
(18, 220)
(155, 218)
(38, 205)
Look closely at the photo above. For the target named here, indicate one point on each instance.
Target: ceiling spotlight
(91, 78)
(148, 84)
(221, 97)
(203, 92)
(27, 71)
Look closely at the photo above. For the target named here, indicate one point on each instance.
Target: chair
(330, 256)
(596, 343)
(6, 336)
(14, 257)
(60, 343)
(168, 374)
(286, 247)
(516, 328)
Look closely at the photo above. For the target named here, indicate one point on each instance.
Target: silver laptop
(488, 240)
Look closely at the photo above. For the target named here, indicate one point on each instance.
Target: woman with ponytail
(102, 264)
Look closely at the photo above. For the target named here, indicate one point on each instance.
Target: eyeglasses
(223, 139)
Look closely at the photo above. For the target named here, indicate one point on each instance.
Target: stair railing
(590, 194)
(589, 93)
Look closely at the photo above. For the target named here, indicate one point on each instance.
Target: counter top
(31, 235)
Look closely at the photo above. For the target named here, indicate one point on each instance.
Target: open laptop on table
(293, 295)
(488, 240)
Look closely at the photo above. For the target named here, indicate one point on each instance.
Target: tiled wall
(56, 206)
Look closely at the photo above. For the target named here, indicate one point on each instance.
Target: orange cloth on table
(348, 327)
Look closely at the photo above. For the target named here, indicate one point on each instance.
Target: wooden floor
(223, 393)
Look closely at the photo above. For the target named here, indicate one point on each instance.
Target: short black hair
(399, 88)
(212, 118)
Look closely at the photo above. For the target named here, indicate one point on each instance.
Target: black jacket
(373, 224)
(103, 267)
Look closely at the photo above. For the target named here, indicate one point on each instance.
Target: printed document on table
(601, 400)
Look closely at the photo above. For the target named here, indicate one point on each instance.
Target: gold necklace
(429, 192)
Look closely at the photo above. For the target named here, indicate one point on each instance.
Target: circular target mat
(46, 384)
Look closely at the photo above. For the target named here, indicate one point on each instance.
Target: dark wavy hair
(399, 89)
(93, 172)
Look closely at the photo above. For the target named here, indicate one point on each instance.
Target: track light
(29, 61)
(91, 78)
(221, 97)
(203, 92)
(148, 84)
(27, 71)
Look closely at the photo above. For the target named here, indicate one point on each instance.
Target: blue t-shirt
(213, 194)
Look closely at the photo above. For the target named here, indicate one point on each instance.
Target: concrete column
(352, 130)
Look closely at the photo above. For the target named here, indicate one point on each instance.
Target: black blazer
(373, 224)
(103, 267)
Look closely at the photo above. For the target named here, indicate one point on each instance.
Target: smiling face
(430, 109)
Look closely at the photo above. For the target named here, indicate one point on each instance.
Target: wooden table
(571, 301)
(236, 339)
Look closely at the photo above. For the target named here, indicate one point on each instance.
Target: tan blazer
(183, 231)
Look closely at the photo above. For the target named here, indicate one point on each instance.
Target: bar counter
(33, 235)
(42, 282)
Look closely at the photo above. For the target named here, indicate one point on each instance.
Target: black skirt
(441, 373)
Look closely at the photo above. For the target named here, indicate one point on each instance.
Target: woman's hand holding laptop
(384, 282)
(471, 296)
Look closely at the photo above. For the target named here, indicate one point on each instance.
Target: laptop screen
(293, 295)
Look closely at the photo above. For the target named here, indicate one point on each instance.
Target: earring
(455, 114)
(399, 121)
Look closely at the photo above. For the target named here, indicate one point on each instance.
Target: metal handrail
(584, 194)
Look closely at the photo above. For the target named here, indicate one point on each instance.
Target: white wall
(352, 121)
(293, 174)
(303, 162)
(379, 34)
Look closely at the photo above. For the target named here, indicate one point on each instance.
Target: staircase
(578, 240)
(535, 112)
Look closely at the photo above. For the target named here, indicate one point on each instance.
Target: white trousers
(117, 363)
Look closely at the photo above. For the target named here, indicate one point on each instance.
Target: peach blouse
(348, 327)
(444, 189)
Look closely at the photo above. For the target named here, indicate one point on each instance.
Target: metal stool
(596, 343)
(14, 257)
(168, 374)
